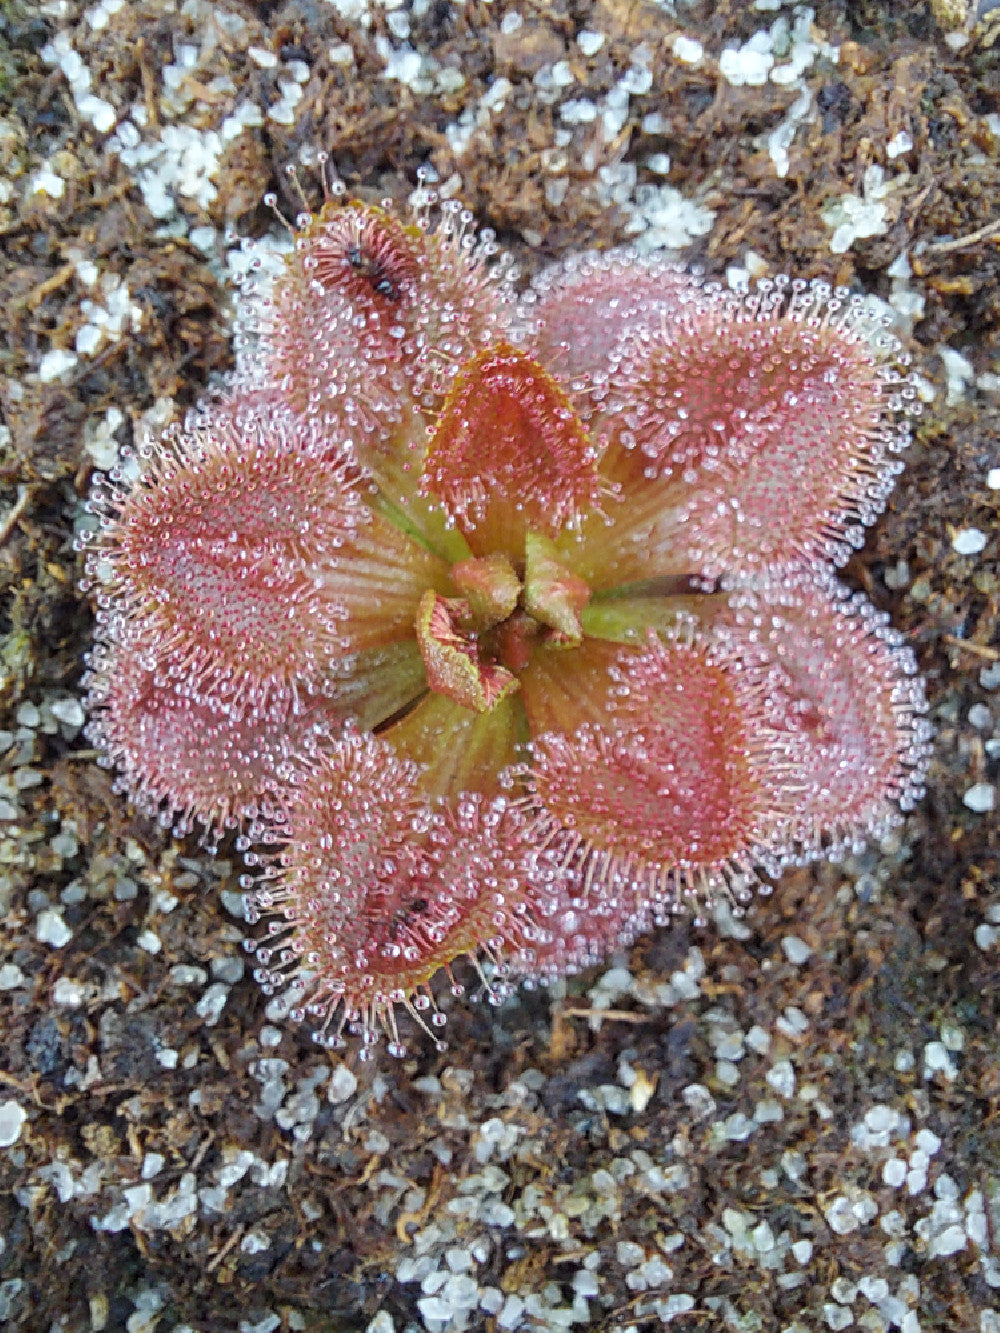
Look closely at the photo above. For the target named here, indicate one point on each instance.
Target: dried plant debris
(787, 1121)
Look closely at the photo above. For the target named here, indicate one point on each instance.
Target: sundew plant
(501, 622)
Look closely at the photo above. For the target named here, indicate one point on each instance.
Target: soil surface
(785, 1123)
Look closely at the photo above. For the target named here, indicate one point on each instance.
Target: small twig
(985, 233)
(58, 279)
(217, 1259)
(28, 1090)
(7, 524)
(654, 1294)
(991, 1238)
(617, 1015)
(980, 649)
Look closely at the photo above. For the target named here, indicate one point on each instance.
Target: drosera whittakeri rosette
(502, 624)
